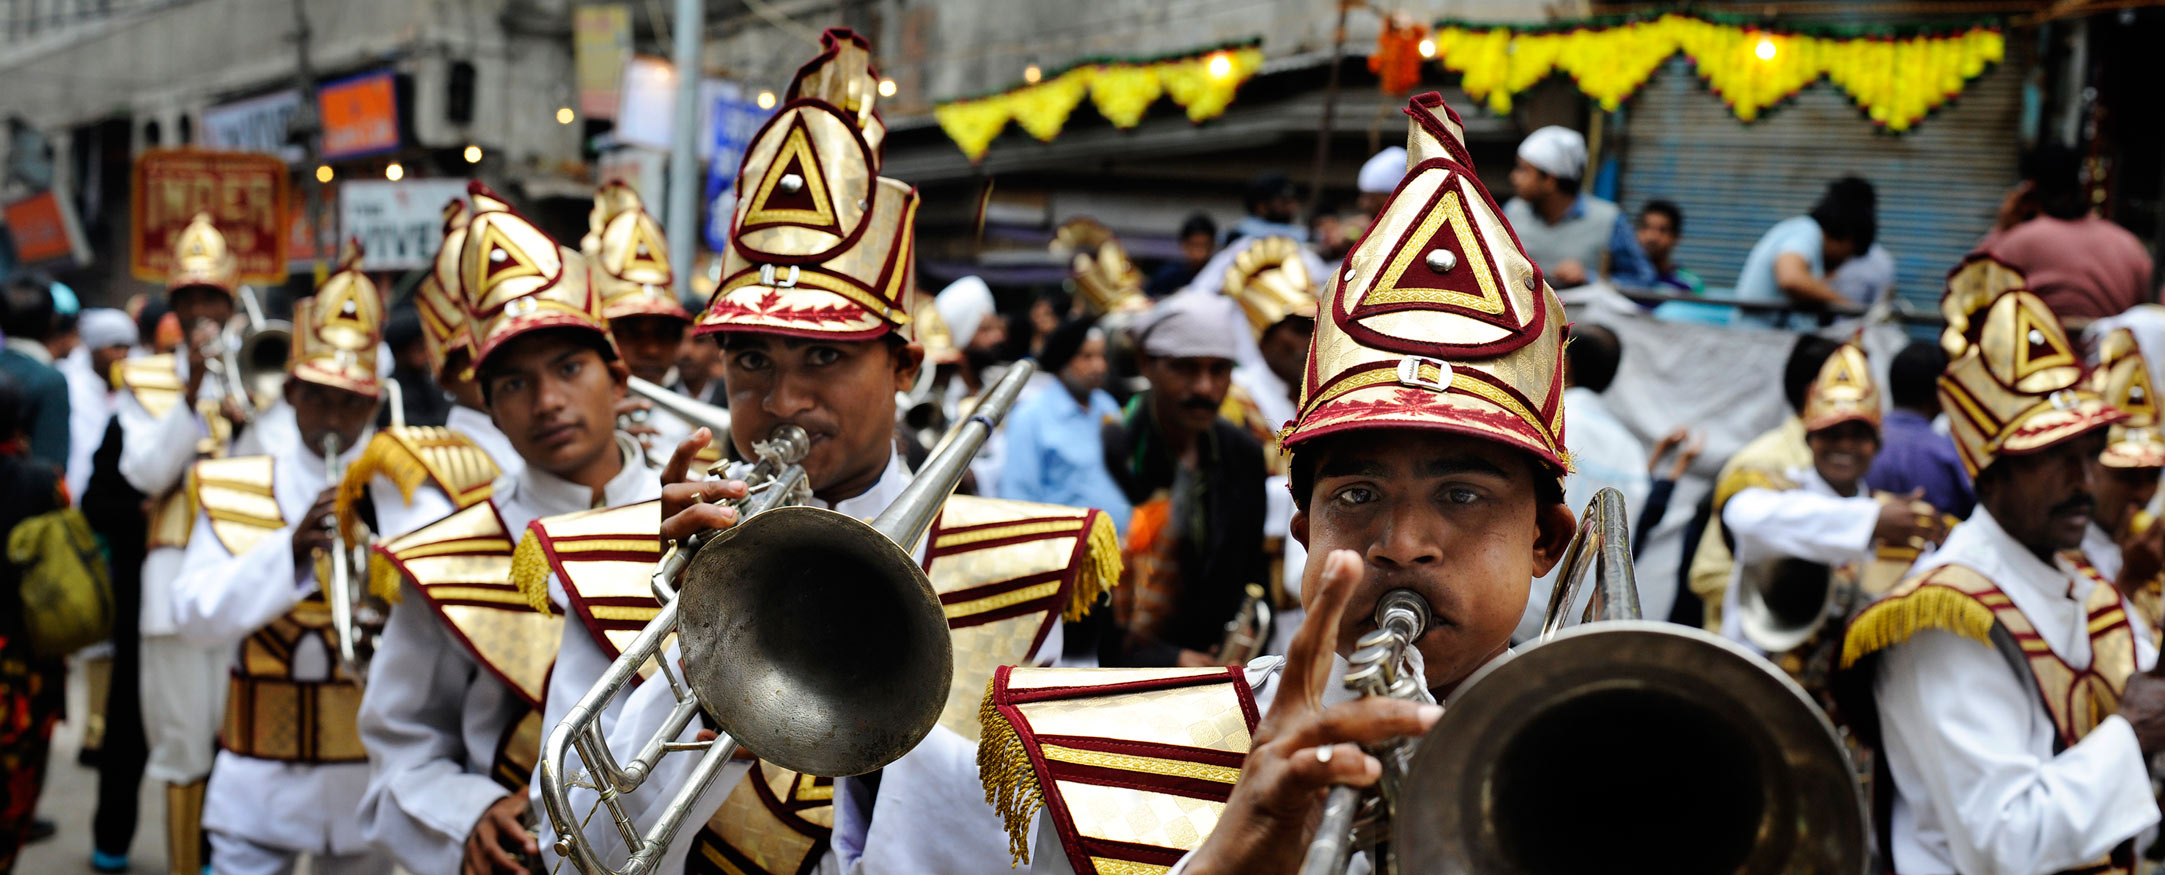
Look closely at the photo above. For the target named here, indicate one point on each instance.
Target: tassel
(1003, 764)
(1894, 620)
(386, 456)
(384, 578)
(530, 572)
(1101, 569)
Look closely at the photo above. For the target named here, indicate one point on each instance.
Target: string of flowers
(1201, 81)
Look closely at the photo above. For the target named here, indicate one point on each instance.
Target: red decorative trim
(437, 606)
(581, 605)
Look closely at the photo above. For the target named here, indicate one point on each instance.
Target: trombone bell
(1784, 601)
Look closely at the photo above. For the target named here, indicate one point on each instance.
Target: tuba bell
(249, 356)
(1784, 601)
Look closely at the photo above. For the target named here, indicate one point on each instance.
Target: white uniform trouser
(184, 701)
(232, 855)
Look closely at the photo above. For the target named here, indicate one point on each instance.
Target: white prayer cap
(1383, 171)
(963, 305)
(1557, 151)
(1193, 325)
(103, 326)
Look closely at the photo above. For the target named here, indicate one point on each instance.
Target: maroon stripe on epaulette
(1082, 532)
(1204, 755)
(1131, 852)
(1018, 609)
(1039, 694)
(1193, 788)
(992, 589)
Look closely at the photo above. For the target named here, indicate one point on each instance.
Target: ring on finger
(1323, 754)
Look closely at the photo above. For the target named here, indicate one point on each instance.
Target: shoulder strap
(461, 565)
(1132, 766)
(605, 559)
(154, 381)
(236, 494)
(410, 455)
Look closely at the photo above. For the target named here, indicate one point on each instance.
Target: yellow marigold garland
(1120, 90)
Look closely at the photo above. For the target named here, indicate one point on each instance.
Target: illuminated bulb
(323, 173)
(564, 115)
(766, 100)
(473, 154)
(1031, 74)
(1765, 49)
(1428, 48)
(887, 87)
(394, 172)
(1220, 66)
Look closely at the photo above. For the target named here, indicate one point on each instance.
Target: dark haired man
(2083, 265)
(26, 318)
(1794, 260)
(1912, 454)
(1577, 238)
(1198, 239)
(1661, 225)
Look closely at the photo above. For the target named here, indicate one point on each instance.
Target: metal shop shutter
(1939, 184)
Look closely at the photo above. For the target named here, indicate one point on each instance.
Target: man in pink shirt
(2083, 266)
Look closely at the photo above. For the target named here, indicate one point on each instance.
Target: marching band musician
(441, 302)
(630, 259)
(2119, 532)
(172, 414)
(290, 768)
(812, 317)
(1428, 453)
(2006, 682)
(451, 718)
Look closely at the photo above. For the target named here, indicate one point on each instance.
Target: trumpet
(810, 638)
(1586, 727)
(695, 413)
(339, 589)
(249, 355)
(1249, 630)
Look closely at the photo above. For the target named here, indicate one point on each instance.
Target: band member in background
(826, 345)
(290, 768)
(1428, 454)
(2007, 684)
(1270, 279)
(451, 719)
(630, 260)
(172, 413)
(440, 300)
(2122, 533)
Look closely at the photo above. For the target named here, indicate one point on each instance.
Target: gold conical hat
(820, 244)
(1270, 280)
(336, 332)
(1843, 392)
(2015, 386)
(201, 258)
(516, 279)
(1438, 320)
(629, 256)
(2122, 377)
(1105, 280)
(438, 300)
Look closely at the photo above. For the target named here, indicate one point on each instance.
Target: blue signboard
(736, 119)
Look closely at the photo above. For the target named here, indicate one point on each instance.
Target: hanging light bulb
(1766, 50)
(564, 115)
(323, 173)
(1031, 74)
(1428, 48)
(887, 87)
(473, 154)
(395, 172)
(766, 100)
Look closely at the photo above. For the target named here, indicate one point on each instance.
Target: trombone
(249, 356)
(1632, 734)
(812, 639)
(338, 587)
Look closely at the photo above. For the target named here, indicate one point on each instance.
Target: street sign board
(244, 193)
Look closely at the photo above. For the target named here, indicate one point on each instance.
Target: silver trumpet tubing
(697, 413)
(1384, 663)
(812, 640)
(249, 356)
(1249, 631)
(1614, 740)
(340, 590)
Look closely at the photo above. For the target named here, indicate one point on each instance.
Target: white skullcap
(1557, 151)
(1380, 175)
(964, 305)
(104, 326)
(1193, 325)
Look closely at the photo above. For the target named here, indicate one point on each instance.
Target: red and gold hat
(1438, 320)
(2123, 378)
(2013, 384)
(201, 258)
(516, 279)
(336, 332)
(1105, 280)
(1270, 280)
(438, 298)
(821, 245)
(629, 256)
(1843, 392)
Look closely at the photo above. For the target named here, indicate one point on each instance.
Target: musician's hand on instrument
(312, 533)
(501, 824)
(1901, 523)
(688, 508)
(1302, 749)
(233, 410)
(200, 338)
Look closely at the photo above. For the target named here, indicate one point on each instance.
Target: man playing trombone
(630, 260)
(451, 718)
(290, 767)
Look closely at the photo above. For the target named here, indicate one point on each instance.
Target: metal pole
(684, 170)
(1330, 108)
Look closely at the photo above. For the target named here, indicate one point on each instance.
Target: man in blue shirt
(1661, 225)
(1576, 238)
(1055, 452)
(1795, 259)
(1913, 456)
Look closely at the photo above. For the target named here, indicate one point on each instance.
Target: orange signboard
(244, 193)
(360, 115)
(42, 229)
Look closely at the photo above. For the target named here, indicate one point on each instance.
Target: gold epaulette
(1950, 598)
(1006, 572)
(236, 494)
(461, 565)
(605, 560)
(1132, 766)
(153, 380)
(1747, 478)
(409, 455)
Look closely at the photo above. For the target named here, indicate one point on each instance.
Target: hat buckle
(1409, 373)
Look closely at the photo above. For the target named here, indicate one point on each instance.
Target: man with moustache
(2120, 532)
(1195, 539)
(451, 719)
(290, 768)
(2008, 685)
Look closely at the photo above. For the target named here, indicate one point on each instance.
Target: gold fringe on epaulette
(530, 572)
(1894, 620)
(1010, 784)
(1101, 569)
(386, 456)
(383, 579)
